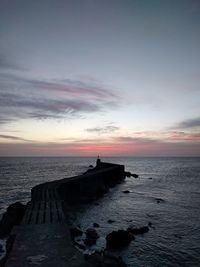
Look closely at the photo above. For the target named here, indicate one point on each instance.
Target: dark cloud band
(191, 123)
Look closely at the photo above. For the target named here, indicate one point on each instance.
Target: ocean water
(173, 239)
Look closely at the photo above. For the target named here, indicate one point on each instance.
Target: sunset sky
(108, 77)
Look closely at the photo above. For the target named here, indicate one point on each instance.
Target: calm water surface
(174, 237)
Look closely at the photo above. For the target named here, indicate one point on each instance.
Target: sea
(166, 196)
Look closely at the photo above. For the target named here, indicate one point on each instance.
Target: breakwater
(43, 236)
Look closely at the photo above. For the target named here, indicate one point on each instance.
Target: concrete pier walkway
(43, 238)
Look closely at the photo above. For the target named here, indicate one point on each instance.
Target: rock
(134, 175)
(11, 217)
(150, 224)
(150, 178)
(91, 166)
(118, 239)
(138, 231)
(128, 174)
(91, 237)
(110, 221)
(74, 232)
(92, 233)
(89, 242)
(159, 200)
(126, 191)
(95, 225)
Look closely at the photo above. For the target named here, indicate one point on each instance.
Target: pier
(43, 237)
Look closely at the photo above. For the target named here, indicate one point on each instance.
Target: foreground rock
(118, 239)
(11, 217)
(91, 237)
(104, 260)
(74, 232)
(138, 231)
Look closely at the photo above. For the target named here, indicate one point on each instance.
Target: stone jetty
(43, 236)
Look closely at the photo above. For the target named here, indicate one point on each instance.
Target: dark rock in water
(92, 233)
(159, 200)
(91, 166)
(95, 225)
(104, 260)
(128, 174)
(89, 242)
(110, 221)
(150, 224)
(11, 217)
(91, 237)
(138, 231)
(118, 239)
(134, 175)
(74, 232)
(150, 178)
(126, 191)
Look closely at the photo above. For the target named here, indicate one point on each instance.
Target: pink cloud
(183, 136)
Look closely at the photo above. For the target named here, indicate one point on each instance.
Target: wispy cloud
(183, 136)
(136, 140)
(21, 97)
(159, 137)
(14, 138)
(105, 129)
(74, 88)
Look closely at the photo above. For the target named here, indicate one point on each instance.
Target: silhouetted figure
(98, 161)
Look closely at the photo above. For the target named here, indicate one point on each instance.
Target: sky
(89, 77)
